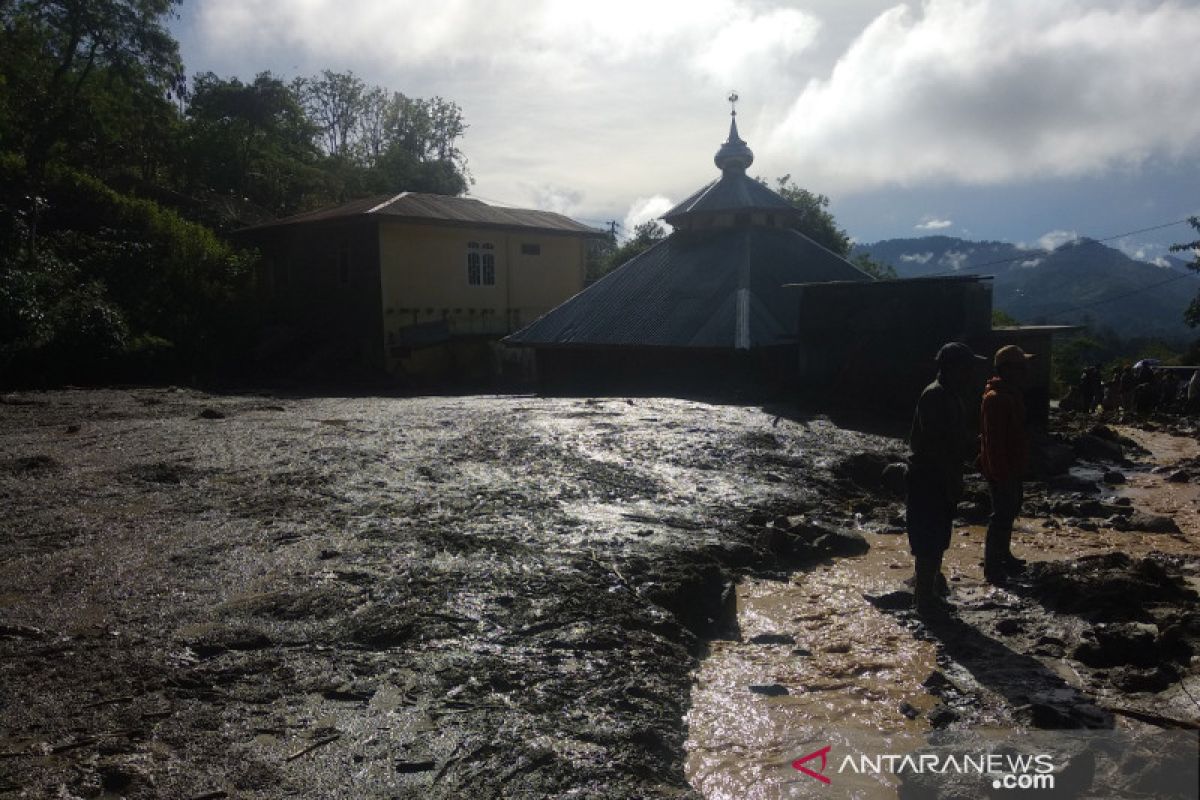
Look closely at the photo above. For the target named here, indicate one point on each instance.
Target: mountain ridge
(1082, 282)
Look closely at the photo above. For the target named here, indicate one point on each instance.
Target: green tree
(815, 220)
(876, 269)
(645, 236)
(251, 143)
(84, 77)
(1191, 314)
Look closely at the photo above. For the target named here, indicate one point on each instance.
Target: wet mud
(206, 596)
(250, 596)
(1100, 634)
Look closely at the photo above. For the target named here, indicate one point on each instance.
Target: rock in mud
(1143, 522)
(895, 478)
(942, 715)
(1118, 644)
(842, 543)
(769, 689)
(866, 470)
(1093, 448)
(1051, 458)
(1179, 476)
(1113, 477)
(210, 413)
(772, 638)
(898, 600)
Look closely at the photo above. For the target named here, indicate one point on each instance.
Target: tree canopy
(1192, 314)
(118, 177)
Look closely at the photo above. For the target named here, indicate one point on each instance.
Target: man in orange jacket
(1004, 458)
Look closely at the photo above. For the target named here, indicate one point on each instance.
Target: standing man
(1004, 458)
(940, 446)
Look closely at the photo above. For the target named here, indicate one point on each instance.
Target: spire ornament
(734, 155)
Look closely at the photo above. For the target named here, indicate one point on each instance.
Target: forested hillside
(1082, 282)
(120, 174)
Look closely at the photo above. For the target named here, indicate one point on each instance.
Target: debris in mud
(30, 464)
(211, 413)
(1144, 522)
(772, 638)
(769, 690)
(1110, 588)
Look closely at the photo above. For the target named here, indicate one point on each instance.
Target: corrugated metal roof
(732, 192)
(420, 207)
(709, 289)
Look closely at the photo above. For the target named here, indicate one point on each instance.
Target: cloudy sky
(1020, 120)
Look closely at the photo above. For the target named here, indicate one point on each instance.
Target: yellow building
(416, 285)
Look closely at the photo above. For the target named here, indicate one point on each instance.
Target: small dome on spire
(734, 153)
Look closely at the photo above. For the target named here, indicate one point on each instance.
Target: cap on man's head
(1011, 354)
(955, 354)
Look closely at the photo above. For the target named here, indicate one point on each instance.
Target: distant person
(1004, 458)
(1092, 388)
(940, 447)
(1128, 384)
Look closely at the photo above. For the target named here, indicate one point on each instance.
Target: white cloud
(933, 224)
(1056, 239)
(645, 209)
(560, 199)
(919, 258)
(752, 46)
(987, 91)
(1161, 262)
(954, 259)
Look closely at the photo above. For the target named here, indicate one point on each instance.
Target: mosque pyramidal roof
(716, 282)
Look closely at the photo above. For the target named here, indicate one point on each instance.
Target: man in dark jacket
(1004, 458)
(940, 446)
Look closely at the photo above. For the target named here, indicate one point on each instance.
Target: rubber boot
(995, 548)
(925, 590)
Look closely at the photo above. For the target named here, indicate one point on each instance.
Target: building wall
(425, 290)
(318, 289)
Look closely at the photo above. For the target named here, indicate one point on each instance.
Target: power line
(1119, 296)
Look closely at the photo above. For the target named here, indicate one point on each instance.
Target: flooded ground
(821, 664)
(252, 596)
(206, 596)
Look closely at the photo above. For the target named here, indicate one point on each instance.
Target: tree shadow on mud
(1043, 698)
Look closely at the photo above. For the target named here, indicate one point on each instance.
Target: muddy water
(851, 668)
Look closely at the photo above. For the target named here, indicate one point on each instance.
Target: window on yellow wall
(481, 264)
(489, 265)
(474, 276)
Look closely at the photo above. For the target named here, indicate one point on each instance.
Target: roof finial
(734, 154)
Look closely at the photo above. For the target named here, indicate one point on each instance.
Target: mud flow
(832, 655)
(251, 596)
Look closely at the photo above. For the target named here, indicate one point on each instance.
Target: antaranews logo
(823, 754)
(1002, 770)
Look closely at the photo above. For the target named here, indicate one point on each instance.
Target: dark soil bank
(206, 596)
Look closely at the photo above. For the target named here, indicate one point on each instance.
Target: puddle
(847, 675)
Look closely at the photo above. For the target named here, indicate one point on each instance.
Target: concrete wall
(423, 279)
